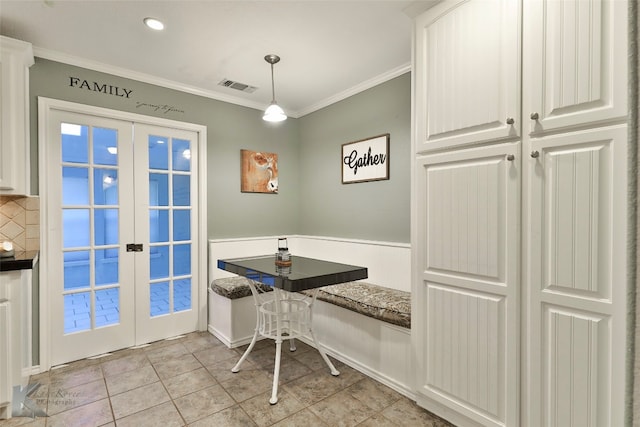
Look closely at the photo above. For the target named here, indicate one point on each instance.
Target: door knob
(510, 120)
(535, 154)
(534, 116)
(511, 157)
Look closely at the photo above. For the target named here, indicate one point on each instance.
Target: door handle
(134, 247)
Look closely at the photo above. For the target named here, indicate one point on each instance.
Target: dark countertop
(23, 260)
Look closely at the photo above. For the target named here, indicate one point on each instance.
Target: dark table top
(304, 273)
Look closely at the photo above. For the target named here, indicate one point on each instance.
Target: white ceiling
(329, 49)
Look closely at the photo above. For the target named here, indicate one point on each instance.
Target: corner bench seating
(361, 324)
(389, 305)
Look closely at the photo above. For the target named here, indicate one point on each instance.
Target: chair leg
(236, 368)
(333, 369)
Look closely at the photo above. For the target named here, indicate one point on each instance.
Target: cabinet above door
(467, 74)
(573, 53)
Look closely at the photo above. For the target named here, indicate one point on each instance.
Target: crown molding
(368, 84)
(142, 77)
(65, 58)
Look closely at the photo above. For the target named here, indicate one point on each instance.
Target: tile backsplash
(20, 221)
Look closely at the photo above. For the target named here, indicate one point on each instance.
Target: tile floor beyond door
(188, 381)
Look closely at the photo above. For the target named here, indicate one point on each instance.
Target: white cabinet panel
(466, 348)
(573, 53)
(576, 353)
(467, 284)
(15, 59)
(576, 181)
(467, 73)
(464, 211)
(575, 236)
(6, 382)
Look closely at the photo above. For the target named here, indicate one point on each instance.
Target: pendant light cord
(273, 86)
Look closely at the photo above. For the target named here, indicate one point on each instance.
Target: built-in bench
(362, 331)
(236, 287)
(364, 325)
(389, 305)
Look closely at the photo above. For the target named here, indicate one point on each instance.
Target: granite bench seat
(389, 305)
(236, 287)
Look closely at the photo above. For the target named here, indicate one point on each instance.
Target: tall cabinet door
(575, 276)
(575, 54)
(466, 284)
(467, 65)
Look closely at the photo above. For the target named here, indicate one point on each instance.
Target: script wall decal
(366, 160)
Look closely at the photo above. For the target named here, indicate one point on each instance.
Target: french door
(122, 252)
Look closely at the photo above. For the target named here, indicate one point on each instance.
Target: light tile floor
(188, 382)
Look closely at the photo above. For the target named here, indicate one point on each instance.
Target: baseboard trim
(229, 343)
(389, 382)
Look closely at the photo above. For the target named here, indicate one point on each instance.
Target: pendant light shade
(273, 113)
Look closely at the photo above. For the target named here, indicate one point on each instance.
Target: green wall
(311, 200)
(377, 210)
(229, 129)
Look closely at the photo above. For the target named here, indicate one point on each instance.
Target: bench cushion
(390, 305)
(236, 287)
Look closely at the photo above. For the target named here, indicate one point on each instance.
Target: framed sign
(366, 160)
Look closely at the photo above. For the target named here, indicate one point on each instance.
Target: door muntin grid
(90, 227)
(170, 218)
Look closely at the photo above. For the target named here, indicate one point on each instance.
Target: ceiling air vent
(237, 86)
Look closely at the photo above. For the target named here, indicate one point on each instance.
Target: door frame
(45, 106)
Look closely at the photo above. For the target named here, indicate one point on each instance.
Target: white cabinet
(575, 57)
(467, 73)
(16, 294)
(466, 284)
(520, 315)
(575, 265)
(6, 388)
(15, 59)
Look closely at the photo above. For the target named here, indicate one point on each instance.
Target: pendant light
(273, 113)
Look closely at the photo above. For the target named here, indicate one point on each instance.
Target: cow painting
(259, 172)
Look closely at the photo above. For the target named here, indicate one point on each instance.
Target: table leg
(276, 368)
(276, 374)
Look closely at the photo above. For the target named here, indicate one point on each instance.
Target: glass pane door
(107, 190)
(94, 305)
(164, 222)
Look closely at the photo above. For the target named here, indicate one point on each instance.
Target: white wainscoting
(376, 348)
(389, 263)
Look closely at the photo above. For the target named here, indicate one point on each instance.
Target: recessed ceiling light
(154, 24)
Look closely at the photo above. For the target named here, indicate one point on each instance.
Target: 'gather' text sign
(366, 160)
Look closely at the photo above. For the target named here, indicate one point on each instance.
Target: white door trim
(45, 106)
